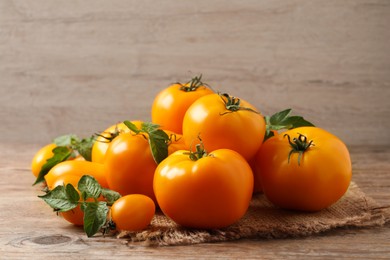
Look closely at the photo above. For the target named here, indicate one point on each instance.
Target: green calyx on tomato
(107, 137)
(233, 104)
(193, 84)
(68, 147)
(158, 140)
(299, 145)
(199, 153)
(64, 198)
(283, 121)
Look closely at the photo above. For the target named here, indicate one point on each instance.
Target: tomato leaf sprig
(157, 138)
(283, 121)
(68, 146)
(82, 146)
(65, 197)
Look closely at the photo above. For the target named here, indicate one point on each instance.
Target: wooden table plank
(30, 230)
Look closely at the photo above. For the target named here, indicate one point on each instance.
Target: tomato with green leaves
(132, 158)
(306, 168)
(66, 147)
(132, 212)
(223, 121)
(204, 190)
(275, 124)
(170, 105)
(75, 215)
(82, 201)
(104, 139)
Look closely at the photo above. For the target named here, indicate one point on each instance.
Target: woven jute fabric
(263, 220)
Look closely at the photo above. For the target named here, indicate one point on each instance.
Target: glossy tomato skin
(41, 157)
(101, 144)
(242, 131)
(133, 212)
(170, 105)
(77, 168)
(212, 192)
(130, 165)
(320, 179)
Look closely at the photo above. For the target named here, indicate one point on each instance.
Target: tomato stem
(193, 84)
(233, 104)
(299, 145)
(110, 135)
(199, 153)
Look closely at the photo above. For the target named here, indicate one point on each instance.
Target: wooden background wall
(78, 66)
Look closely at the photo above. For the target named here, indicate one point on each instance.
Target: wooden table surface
(30, 230)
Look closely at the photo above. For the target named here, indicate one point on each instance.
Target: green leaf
(61, 153)
(132, 126)
(66, 140)
(72, 193)
(89, 187)
(60, 200)
(282, 120)
(84, 147)
(277, 118)
(296, 121)
(84, 205)
(148, 127)
(158, 142)
(95, 216)
(110, 196)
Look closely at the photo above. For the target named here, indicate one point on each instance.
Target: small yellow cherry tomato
(133, 212)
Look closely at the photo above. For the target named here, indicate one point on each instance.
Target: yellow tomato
(41, 157)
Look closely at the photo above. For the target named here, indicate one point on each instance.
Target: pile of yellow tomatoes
(201, 159)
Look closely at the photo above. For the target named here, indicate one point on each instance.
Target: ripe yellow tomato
(222, 123)
(130, 166)
(306, 168)
(205, 191)
(41, 157)
(170, 104)
(102, 142)
(77, 168)
(133, 212)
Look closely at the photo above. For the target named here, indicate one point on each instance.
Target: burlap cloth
(263, 220)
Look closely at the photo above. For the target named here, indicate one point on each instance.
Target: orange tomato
(170, 104)
(222, 125)
(102, 142)
(306, 168)
(213, 191)
(130, 165)
(133, 212)
(77, 168)
(41, 157)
